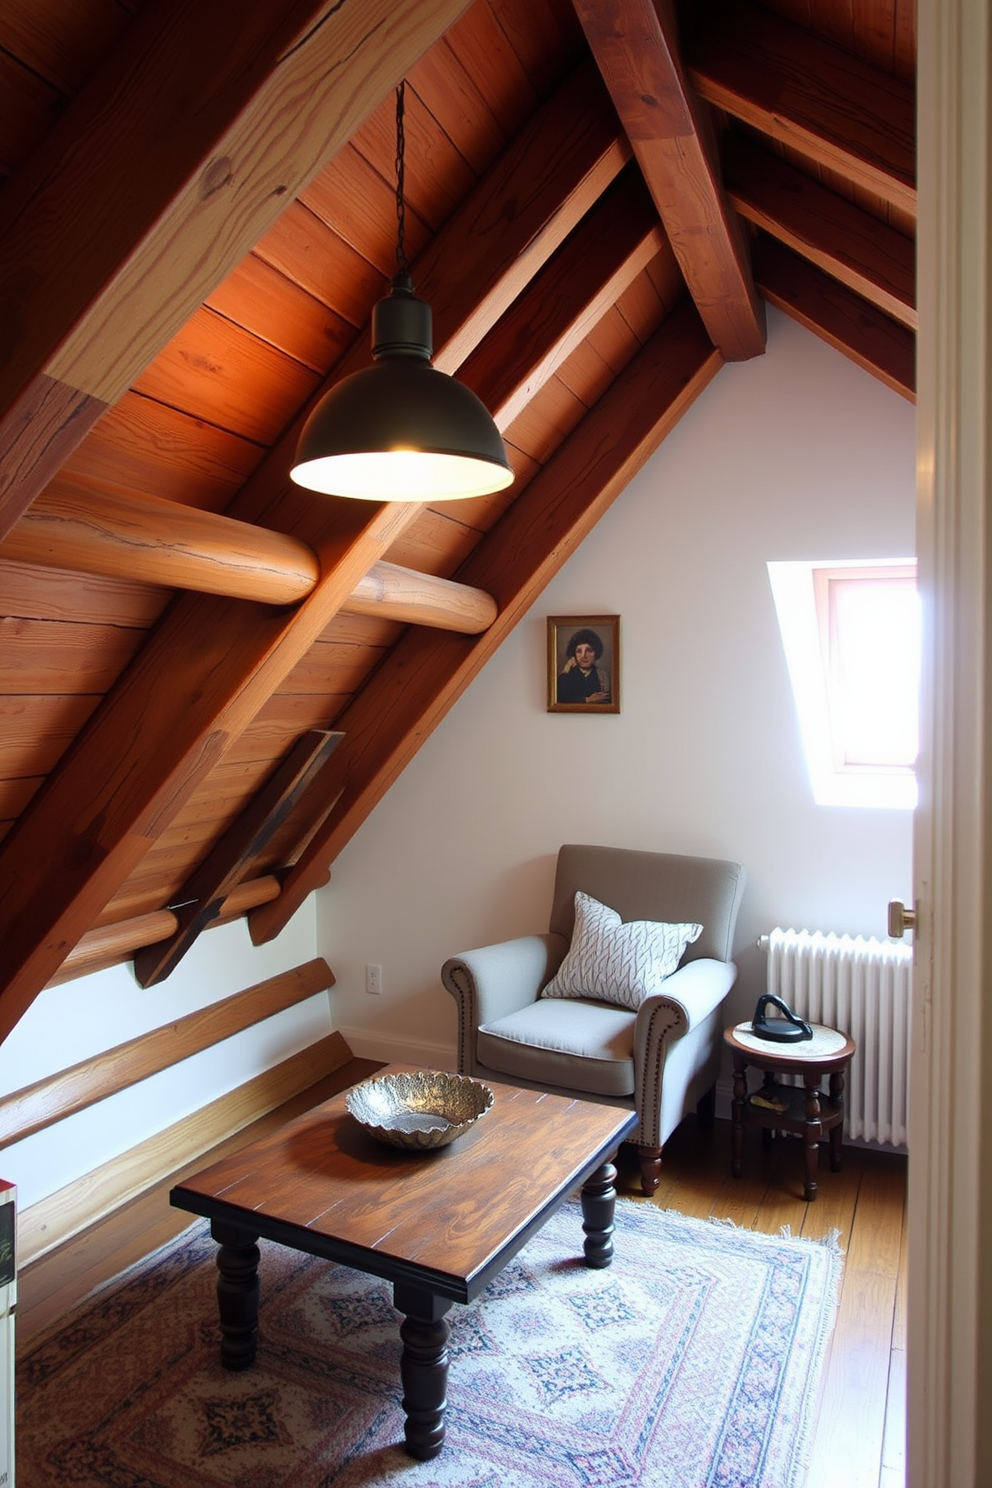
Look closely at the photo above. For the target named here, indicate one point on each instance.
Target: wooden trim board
(65, 1213)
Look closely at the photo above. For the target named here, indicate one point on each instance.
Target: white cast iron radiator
(861, 986)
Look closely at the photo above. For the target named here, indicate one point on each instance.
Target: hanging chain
(401, 262)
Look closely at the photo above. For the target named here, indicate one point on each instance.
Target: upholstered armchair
(586, 1010)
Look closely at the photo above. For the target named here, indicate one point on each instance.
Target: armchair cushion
(585, 1046)
(618, 962)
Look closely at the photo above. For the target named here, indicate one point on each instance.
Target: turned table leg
(737, 1117)
(812, 1132)
(423, 1367)
(237, 1294)
(837, 1132)
(599, 1197)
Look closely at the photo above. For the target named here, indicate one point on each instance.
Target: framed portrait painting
(583, 663)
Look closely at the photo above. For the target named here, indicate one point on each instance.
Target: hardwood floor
(862, 1413)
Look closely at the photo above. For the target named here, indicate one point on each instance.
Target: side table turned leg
(237, 1294)
(812, 1131)
(837, 1132)
(423, 1368)
(737, 1118)
(599, 1197)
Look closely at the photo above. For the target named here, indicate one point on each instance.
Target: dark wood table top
(447, 1219)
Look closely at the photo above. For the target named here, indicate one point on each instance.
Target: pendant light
(401, 430)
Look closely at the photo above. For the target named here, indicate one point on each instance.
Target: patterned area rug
(693, 1360)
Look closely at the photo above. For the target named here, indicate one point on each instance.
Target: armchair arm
(677, 1045)
(495, 980)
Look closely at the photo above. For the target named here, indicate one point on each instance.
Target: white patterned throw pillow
(618, 962)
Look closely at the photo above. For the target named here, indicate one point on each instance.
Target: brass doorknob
(901, 919)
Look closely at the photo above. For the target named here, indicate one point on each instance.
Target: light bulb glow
(402, 475)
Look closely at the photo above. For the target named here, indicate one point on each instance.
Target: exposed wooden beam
(202, 896)
(423, 676)
(841, 238)
(161, 175)
(831, 105)
(595, 264)
(108, 945)
(143, 753)
(635, 43)
(80, 526)
(838, 316)
(390, 592)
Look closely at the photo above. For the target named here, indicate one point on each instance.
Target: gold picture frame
(583, 663)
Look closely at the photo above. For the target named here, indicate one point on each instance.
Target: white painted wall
(796, 455)
(68, 1023)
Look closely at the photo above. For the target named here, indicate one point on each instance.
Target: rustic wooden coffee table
(439, 1225)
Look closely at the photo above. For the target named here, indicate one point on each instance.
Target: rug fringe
(830, 1241)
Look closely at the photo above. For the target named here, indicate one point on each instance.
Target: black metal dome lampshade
(401, 430)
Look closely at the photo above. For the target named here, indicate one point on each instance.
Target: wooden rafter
(837, 315)
(195, 123)
(92, 529)
(636, 46)
(202, 896)
(423, 676)
(109, 801)
(835, 108)
(596, 263)
(836, 235)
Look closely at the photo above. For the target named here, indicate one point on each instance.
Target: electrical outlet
(373, 979)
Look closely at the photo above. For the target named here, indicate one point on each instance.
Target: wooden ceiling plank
(106, 804)
(617, 238)
(196, 121)
(423, 676)
(143, 445)
(867, 255)
(204, 892)
(635, 44)
(262, 300)
(215, 371)
(804, 91)
(838, 316)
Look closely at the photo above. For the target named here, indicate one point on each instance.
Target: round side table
(803, 1109)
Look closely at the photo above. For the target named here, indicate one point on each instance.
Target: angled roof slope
(208, 677)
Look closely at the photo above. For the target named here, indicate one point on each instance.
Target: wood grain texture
(194, 121)
(56, 1219)
(40, 1105)
(385, 725)
(41, 427)
(77, 524)
(635, 43)
(840, 317)
(836, 108)
(613, 242)
(110, 944)
(203, 893)
(837, 236)
(445, 1213)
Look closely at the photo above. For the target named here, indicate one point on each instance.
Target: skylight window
(851, 634)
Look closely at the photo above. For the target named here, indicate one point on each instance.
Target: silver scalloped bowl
(423, 1109)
